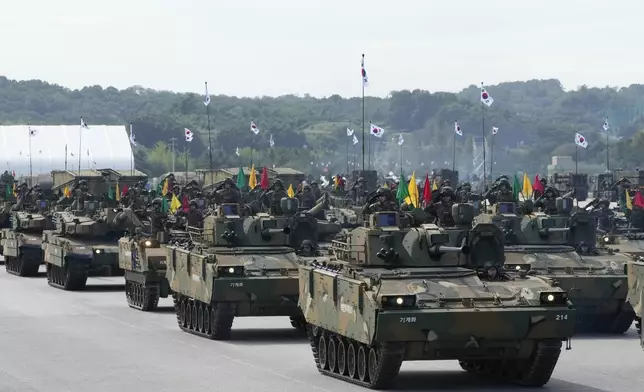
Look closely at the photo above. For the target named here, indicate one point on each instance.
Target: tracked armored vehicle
(22, 244)
(304, 225)
(400, 293)
(561, 248)
(234, 267)
(143, 258)
(84, 242)
(636, 293)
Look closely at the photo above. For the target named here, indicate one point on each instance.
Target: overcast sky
(261, 47)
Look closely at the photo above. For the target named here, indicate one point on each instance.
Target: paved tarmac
(91, 341)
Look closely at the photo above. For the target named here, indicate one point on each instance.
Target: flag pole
(207, 102)
(30, 167)
(65, 157)
(576, 168)
(491, 155)
(347, 147)
(363, 124)
(132, 148)
(186, 158)
(173, 140)
(607, 148)
(453, 151)
(483, 132)
(80, 144)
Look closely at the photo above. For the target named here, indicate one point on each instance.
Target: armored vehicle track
(145, 298)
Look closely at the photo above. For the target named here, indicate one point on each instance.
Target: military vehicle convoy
(594, 277)
(236, 266)
(400, 293)
(22, 243)
(636, 293)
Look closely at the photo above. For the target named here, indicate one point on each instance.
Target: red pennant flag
(639, 200)
(185, 203)
(427, 190)
(124, 191)
(263, 182)
(13, 173)
(537, 185)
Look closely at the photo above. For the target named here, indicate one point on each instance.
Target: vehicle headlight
(231, 271)
(398, 301)
(553, 298)
(606, 239)
(97, 251)
(148, 243)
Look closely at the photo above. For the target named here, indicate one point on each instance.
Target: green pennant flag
(110, 193)
(8, 192)
(516, 188)
(159, 188)
(402, 192)
(241, 178)
(165, 207)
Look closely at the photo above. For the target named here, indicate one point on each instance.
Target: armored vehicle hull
(596, 284)
(636, 294)
(214, 286)
(70, 261)
(631, 244)
(144, 263)
(22, 252)
(490, 328)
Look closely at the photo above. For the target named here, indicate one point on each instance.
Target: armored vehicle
(143, 258)
(234, 267)
(636, 293)
(22, 244)
(562, 248)
(86, 234)
(400, 293)
(305, 225)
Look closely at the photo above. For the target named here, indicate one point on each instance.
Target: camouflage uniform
(194, 217)
(359, 189)
(604, 217)
(273, 198)
(315, 188)
(548, 201)
(229, 194)
(386, 202)
(441, 210)
(306, 197)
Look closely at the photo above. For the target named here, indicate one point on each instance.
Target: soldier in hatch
(547, 202)
(227, 193)
(194, 217)
(385, 202)
(493, 271)
(500, 192)
(306, 197)
(359, 189)
(604, 216)
(441, 210)
(157, 217)
(273, 196)
(80, 194)
(315, 188)
(307, 249)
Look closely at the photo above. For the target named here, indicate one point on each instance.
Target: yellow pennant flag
(175, 204)
(117, 195)
(412, 188)
(629, 203)
(527, 187)
(164, 191)
(434, 186)
(385, 186)
(66, 192)
(290, 191)
(13, 188)
(252, 178)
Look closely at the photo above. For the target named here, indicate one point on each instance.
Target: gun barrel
(286, 230)
(444, 249)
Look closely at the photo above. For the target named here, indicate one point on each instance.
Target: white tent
(101, 146)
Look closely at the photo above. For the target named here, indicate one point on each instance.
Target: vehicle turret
(228, 228)
(384, 242)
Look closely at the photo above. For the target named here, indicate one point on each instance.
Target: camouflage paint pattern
(60, 250)
(595, 282)
(636, 293)
(257, 271)
(452, 313)
(14, 243)
(142, 256)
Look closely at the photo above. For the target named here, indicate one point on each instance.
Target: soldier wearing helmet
(156, 214)
(305, 196)
(441, 209)
(194, 217)
(315, 188)
(227, 193)
(383, 200)
(273, 197)
(308, 249)
(604, 216)
(548, 201)
(500, 192)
